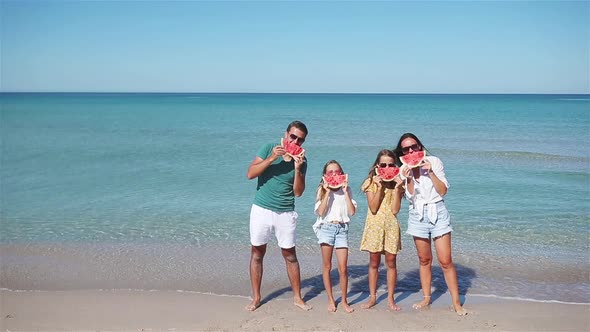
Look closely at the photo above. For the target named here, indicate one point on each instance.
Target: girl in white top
(333, 208)
(429, 219)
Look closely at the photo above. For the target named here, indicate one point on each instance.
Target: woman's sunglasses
(414, 147)
(383, 165)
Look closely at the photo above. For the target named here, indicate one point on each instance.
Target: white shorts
(263, 222)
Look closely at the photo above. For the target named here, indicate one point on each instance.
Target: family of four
(281, 179)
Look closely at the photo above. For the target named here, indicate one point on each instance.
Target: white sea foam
(526, 299)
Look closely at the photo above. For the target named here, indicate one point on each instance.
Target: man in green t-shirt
(281, 178)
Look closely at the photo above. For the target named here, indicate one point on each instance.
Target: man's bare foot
(394, 307)
(422, 304)
(347, 308)
(332, 307)
(459, 309)
(302, 305)
(253, 306)
(369, 304)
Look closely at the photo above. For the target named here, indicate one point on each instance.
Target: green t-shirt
(275, 185)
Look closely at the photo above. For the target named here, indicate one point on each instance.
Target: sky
(295, 46)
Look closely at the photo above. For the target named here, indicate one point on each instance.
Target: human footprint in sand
(381, 235)
(333, 207)
(281, 178)
(428, 218)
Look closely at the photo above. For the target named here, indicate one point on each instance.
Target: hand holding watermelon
(299, 161)
(278, 151)
(427, 166)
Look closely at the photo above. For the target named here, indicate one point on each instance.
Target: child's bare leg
(342, 256)
(374, 261)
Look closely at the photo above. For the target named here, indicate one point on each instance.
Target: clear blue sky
(398, 47)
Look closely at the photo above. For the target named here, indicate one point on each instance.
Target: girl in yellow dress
(382, 232)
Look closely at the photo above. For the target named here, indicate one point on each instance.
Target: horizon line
(297, 93)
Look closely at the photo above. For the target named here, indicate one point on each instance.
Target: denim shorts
(424, 227)
(335, 235)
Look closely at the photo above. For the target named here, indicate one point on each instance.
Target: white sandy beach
(183, 311)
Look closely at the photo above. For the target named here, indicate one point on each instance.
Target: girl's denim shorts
(335, 235)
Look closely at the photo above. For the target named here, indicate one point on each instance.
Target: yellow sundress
(382, 231)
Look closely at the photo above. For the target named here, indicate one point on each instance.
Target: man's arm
(299, 182)
(259, 165)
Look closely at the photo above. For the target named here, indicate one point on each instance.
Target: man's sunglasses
(295, 137)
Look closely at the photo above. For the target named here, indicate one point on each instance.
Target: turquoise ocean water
(148, 191)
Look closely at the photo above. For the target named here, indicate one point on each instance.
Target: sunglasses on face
(383, 165)
(414, 147)
(295, 137)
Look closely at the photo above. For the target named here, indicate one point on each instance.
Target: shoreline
(118, 310)
(68, 267)
(474, 297)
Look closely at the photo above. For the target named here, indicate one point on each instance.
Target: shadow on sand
(408, 283)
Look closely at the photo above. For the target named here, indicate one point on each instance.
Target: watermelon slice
(293, 150)
(335, 180)
(387, 173)
(413, 159)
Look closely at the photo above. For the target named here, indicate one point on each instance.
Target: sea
(148, 191)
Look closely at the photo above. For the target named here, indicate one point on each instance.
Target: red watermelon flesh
(413, 159)
(335, 180)
(387, 173)
(292, 149)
